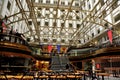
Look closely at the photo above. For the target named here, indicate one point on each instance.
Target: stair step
(59, 63)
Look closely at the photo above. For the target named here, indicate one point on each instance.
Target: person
(17, 36)
(1, 27)
(1, 36)
(10, 33)
(67, 66)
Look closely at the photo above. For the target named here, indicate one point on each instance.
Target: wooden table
(102, 74)
(97, 71)
(82, 72)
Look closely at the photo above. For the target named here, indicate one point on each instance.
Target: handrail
(106, 44)
(12, 38)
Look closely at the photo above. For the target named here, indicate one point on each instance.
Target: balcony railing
(12, 39)
(106, 44)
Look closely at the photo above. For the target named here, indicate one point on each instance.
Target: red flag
(49, 48)
(4, 27)
(110, 35)
(98, 66)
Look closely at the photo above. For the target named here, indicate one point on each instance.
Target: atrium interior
(60, 39)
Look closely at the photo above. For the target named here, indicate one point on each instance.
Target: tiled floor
(106, 78)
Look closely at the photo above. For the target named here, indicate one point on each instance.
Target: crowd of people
(6, 31)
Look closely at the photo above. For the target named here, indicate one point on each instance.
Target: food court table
(102, 74)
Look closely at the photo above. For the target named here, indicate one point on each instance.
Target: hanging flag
(110, 35)
(4, 27)
(58, 48)
(49, 48)
(98, 66)
(64, 49)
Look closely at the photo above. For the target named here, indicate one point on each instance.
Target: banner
(49, 48)
(97, 66)
(4, 27)
(64, 49)
(110, 35)
(58, 48)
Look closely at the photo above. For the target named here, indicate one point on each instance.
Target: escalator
(59, 63)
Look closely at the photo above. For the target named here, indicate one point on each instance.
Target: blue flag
(58, 48)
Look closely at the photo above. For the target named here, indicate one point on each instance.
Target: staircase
(58, 63)
(55, 63)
